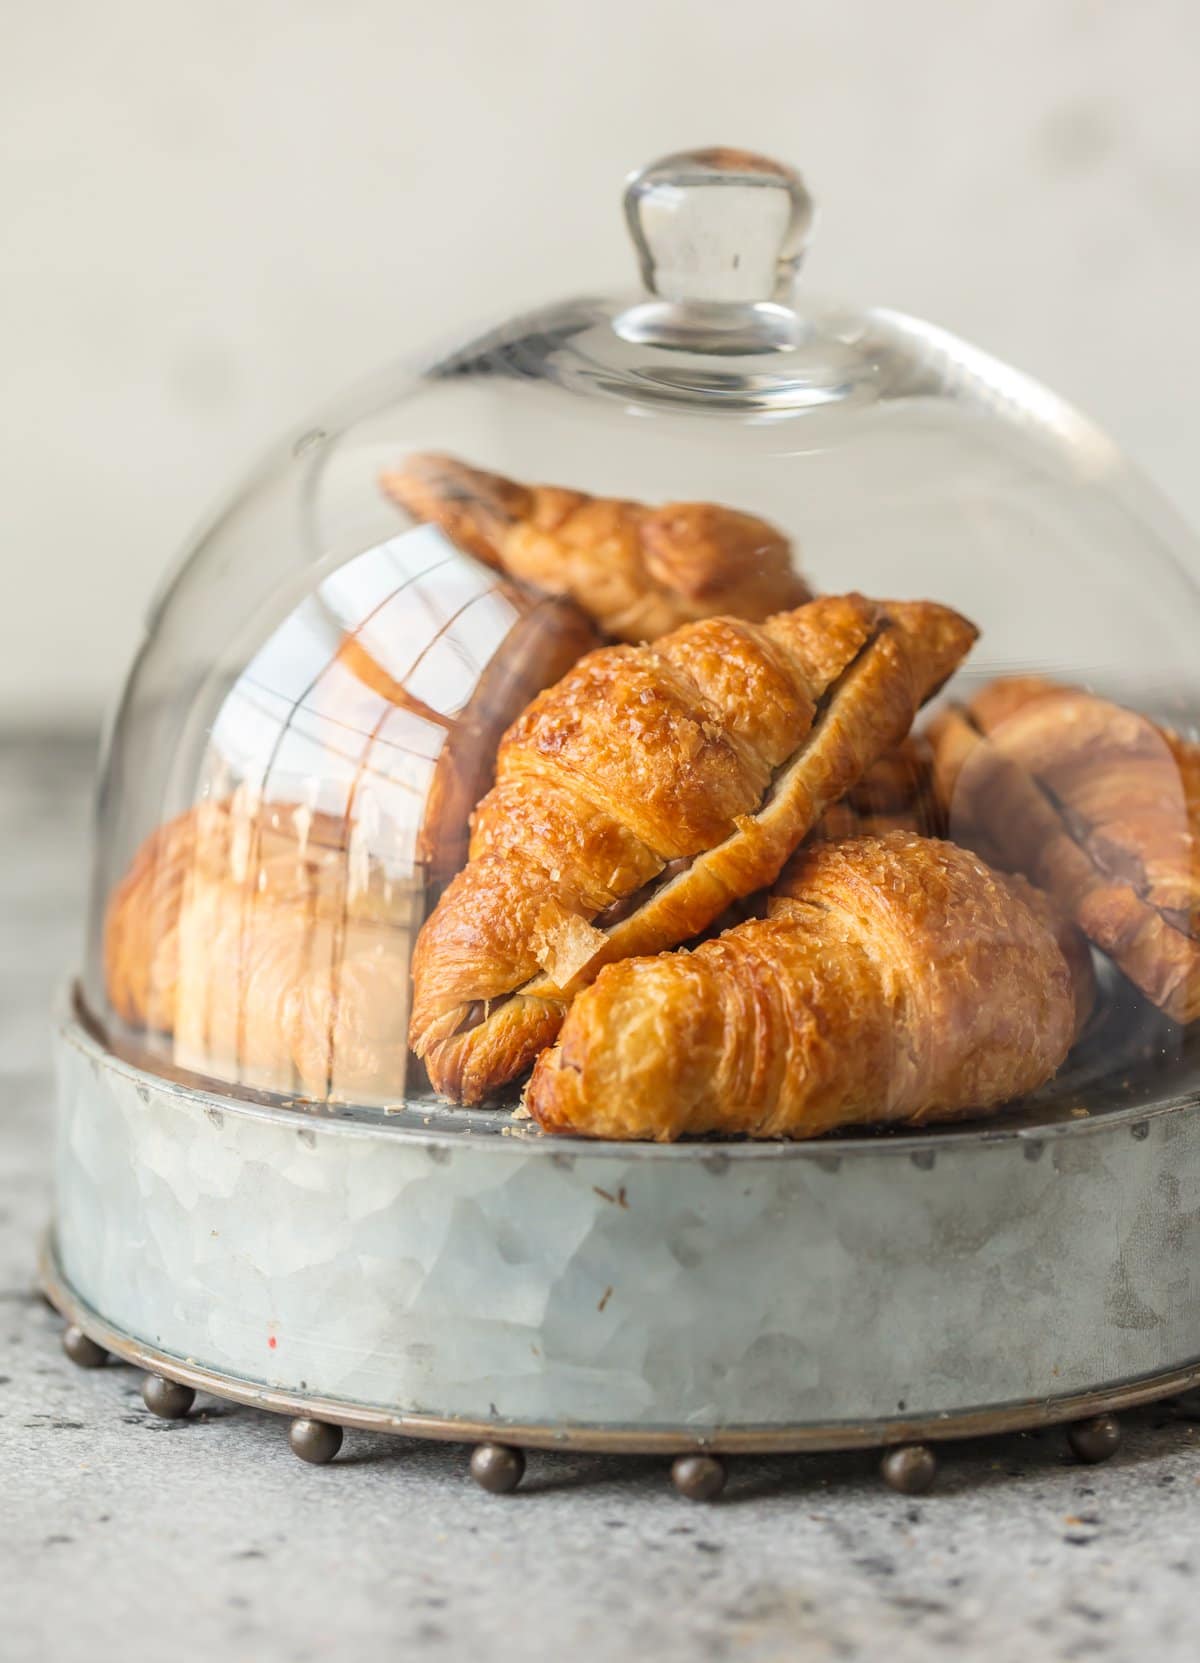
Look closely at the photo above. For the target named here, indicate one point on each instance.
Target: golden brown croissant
(1095, 803)
(637, 571)
(643, 794)
(896, 979)
(242, 931)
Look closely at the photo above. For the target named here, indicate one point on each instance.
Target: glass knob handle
(718, 226)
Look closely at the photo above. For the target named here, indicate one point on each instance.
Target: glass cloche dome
(319, 700)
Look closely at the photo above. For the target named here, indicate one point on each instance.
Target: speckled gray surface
(123, 1537)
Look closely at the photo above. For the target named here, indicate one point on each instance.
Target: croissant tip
(548, 1095)
(419, 481)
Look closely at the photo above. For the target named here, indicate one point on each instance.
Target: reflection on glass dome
(264, 934)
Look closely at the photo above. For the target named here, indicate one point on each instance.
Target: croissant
(1100, 807)
(897, 979)
(239, 932)
(643, 794)
(1000, 700)
(637, 571)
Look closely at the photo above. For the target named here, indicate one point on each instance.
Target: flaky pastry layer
(897, 979)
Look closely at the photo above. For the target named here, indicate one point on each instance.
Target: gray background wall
(216, 213)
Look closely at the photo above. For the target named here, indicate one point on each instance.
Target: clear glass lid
(621, 626)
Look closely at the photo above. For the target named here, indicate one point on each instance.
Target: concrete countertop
(123, 1536)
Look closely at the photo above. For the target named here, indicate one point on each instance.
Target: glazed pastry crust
(897, 979)
(718, 748)
(1098, 806)
(638, 572)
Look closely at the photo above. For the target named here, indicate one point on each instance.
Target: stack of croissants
(709, 886)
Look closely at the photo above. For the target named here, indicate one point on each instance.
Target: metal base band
(882, 1434)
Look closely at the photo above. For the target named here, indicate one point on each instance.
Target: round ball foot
(911, 1469)
(698, 1477)
(84, 1353)
(315, 1441)
(497, 1467)
(1094, 1440)
(166, 1398)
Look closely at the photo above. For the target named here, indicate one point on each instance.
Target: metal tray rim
(525, 1140)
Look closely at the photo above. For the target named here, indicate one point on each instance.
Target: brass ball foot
(911, 1469)
(1095, 1440)
(698, 1477)
(166, 1398)
(84, 1353)
(497, 1467)
(315, 1441)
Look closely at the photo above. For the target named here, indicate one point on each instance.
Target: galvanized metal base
(89, 1341)
(462, 1278)
(316, 1431)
